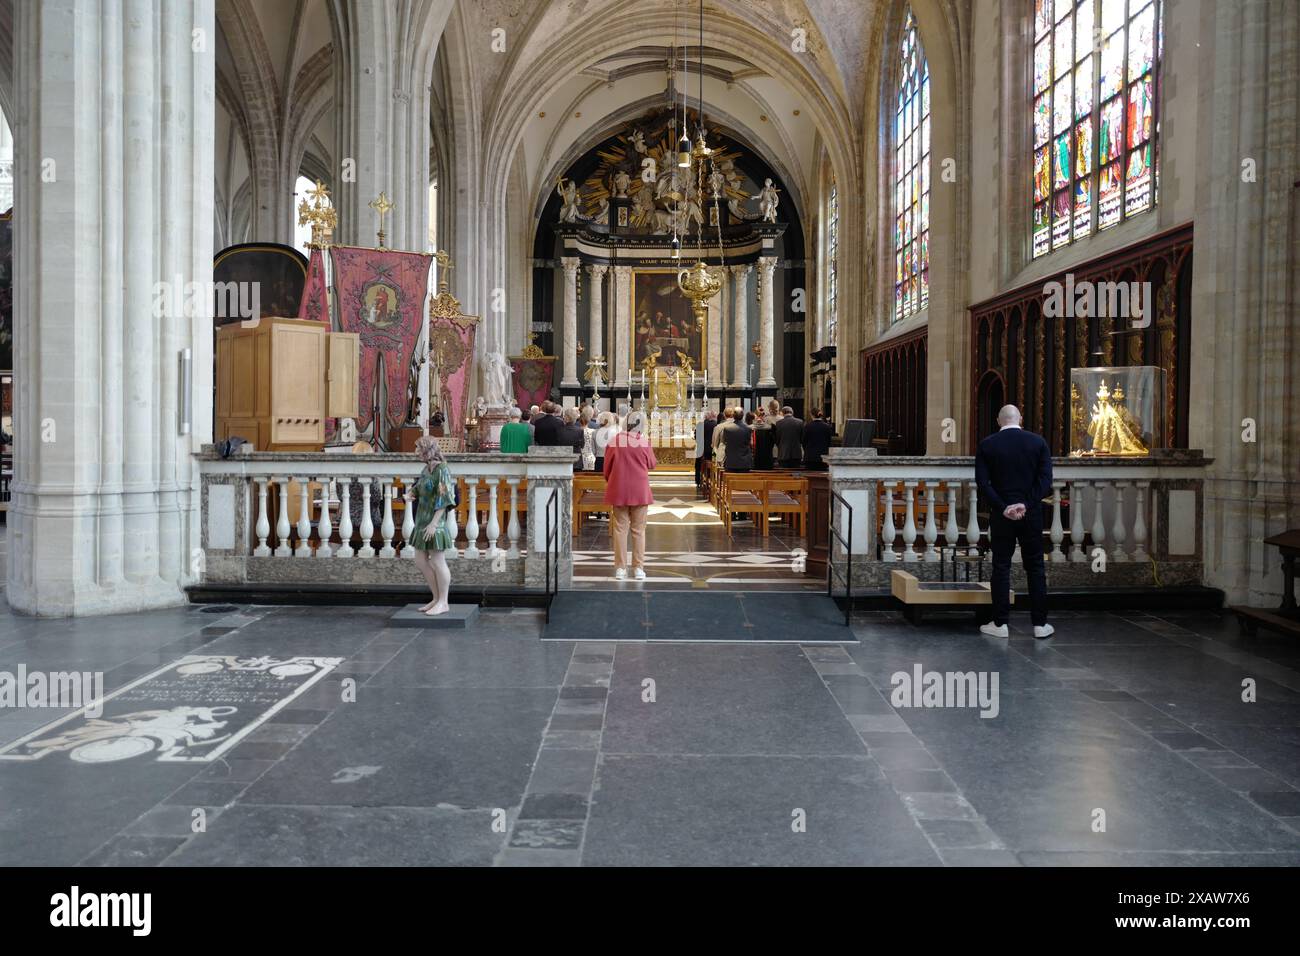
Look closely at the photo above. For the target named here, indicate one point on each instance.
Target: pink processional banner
(315, 303)
(381, 295)
(532, 379)
(451, 356)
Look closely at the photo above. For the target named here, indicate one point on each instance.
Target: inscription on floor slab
(192, 710)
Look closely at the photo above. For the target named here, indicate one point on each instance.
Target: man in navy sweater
(1013, 469)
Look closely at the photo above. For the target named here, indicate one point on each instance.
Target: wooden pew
(588, 497)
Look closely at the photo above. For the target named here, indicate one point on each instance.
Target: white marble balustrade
(1095, 509)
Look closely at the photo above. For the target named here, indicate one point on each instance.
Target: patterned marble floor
(687, 546)
(490, 746)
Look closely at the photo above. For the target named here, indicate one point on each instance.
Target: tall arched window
(832, 255)
(912, 177)
(1096, 65)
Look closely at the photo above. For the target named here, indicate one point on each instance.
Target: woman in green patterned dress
(436, 491)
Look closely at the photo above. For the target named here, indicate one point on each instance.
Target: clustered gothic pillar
(740, 348)
(767, 319)
(114, 182)
(622, 325)
(570, 330)
(597, 294)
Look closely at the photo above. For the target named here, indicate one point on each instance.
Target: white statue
(568, 191)
(638, 140)
(496, 380)
(643, 204)
(621, 183)
(480, 407)
(717, 183)
(767, 200)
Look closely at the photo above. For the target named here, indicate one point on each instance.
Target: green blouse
(434, 491)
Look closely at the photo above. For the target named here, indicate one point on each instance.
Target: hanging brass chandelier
(700, 282)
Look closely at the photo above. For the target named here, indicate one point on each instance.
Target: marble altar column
(622, 329)
(597, 302)
(570, 331)
(115, 134)
(740, 331)
(712, 346)
(767, 322)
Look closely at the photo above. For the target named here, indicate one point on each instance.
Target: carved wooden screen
(893, 389)
(1019, 357)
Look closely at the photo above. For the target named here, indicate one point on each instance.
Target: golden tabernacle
(1116, 411)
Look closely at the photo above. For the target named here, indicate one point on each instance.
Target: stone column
(596, 346)
(382, 63)
(115, 132)
(767, 322)
(570, 331)
(717, 315)
(622, 328)
(740, 332)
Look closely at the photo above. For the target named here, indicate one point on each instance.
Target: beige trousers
(620, 518)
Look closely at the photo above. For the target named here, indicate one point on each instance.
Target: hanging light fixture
(700, 282)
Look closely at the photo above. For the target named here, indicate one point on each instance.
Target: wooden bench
(787, 496)
(743, 494)
(588, 498)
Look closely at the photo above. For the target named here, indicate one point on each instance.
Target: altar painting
(665, 333)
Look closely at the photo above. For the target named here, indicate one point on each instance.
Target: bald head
(1008, 415)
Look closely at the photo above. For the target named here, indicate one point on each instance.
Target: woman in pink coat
(628, 462)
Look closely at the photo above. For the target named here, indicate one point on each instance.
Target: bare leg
(426, 569)
(442, 589)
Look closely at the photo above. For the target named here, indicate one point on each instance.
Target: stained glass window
(832, 253)
(912, 177)
(1096, 65)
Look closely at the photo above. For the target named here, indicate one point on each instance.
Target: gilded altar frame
(638, 275)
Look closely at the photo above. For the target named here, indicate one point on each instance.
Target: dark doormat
(697, 617)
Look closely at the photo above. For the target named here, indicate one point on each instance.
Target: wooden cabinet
(277, 382)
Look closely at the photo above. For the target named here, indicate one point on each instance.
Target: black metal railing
(831, 570)
(552, 538)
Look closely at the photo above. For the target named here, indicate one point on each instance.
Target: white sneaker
(1045, 630)
(640, 574)
(620, 574)
(994, 630)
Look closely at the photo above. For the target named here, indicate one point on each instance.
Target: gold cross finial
(444, 266)
(319, 193)
(383, 206)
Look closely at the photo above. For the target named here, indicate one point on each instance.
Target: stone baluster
(973, 522)
(282, 522)
(909, 524)
(951, 530)
(387, 529)
(367, 549)
(931, 529)
(493, 518)
(1098, 523)
(324, 527)
(1058, 532)
(304, 520)
(890, 532)
(263, 523)
(408, 520)
(344, 549)
(512, 527)
(471, 525)
(1076, 521)
(453, 529)
(1140, 523)
(1117, 528)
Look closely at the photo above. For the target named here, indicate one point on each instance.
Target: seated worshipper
(607, 428)
(736, 442)
(547, 425)
(570, 431)
(816, 441)
(515, 435)
(629, 459)
(588, 438)
(789, 438)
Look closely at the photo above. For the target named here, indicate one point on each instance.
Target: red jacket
(628, 462)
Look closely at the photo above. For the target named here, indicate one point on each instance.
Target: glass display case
(1117, 411)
